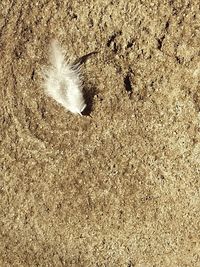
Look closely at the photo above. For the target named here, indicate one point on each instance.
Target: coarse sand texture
(119, 186)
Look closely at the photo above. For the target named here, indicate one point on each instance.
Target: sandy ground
(119, 187)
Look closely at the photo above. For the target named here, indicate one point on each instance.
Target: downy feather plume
(63, 82)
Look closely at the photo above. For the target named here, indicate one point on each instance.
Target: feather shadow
(84, 58)
(89, 92)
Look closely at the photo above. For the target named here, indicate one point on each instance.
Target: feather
(62, 81)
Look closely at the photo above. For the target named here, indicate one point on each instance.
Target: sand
(120, 185)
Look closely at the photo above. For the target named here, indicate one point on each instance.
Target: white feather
(62, 81)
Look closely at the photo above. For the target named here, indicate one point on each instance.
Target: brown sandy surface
(119, 187)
